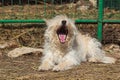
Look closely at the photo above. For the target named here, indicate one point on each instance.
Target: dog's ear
(47, 21)
(72, 20)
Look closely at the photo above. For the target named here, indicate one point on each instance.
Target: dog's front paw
(94, 60)
(58, 68)
(44, 67)
(61, 68)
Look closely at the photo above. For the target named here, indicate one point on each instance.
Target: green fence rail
(49, 9)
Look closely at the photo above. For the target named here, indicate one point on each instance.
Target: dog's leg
(46, 63)
(67, 62)
(96, 54)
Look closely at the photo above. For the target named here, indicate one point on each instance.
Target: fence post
(100, 20)
(44, 8)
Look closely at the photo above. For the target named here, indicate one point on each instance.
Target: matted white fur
(76, 48)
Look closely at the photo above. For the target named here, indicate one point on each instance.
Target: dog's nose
(63, 22)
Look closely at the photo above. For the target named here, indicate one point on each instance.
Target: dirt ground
(26, 68)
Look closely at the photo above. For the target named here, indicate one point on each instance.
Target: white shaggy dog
(66, 47)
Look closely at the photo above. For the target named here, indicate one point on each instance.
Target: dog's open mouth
(62, 33)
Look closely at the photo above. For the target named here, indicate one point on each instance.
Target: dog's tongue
(62, 38)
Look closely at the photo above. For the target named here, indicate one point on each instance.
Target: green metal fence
(83, 11)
